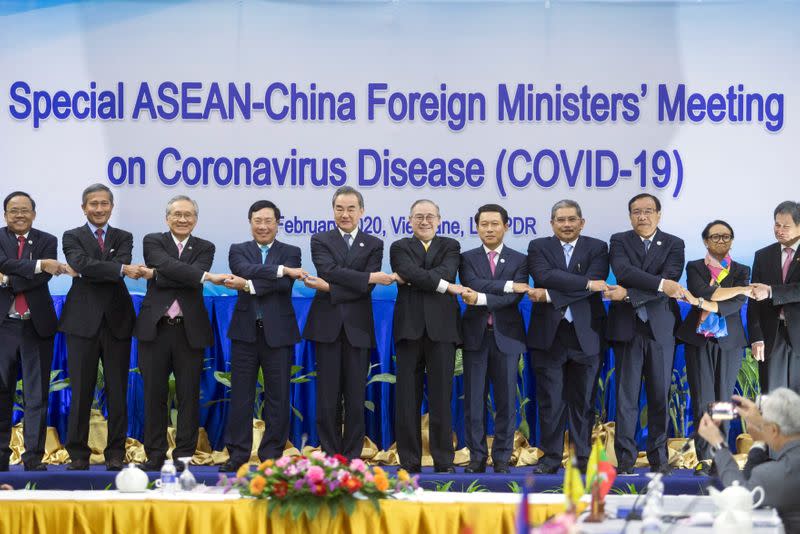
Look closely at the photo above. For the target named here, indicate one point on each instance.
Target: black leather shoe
(115, 464)
(476, 468)
(625, 471)
(412, 469)
(502, 467)
(230, 467)
(444, 469)
(35, 466)
(151, 466)
(664, 469)
(78, 465)
(544, 469)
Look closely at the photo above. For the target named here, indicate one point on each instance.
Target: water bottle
(169, 478)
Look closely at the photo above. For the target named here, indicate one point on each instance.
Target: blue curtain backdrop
(380, 423)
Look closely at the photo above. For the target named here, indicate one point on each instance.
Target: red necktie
(20, 302)
(100, 241)
(492, 267)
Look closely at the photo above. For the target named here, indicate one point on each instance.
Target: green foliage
(30, 486)
(459, 366)
(557, 489)
(380, 378)
(747, 384)
(224, 378)
(603, 396)
(514, 487)
(678, 399)
(628, 489)
(442, 486)
(56, 384)
(475, 487)
(522, 400)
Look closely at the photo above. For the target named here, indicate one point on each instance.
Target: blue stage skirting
(380, 427)
(682, 481)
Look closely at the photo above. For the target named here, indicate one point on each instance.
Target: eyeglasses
(15, 211)
(564, 220)
(178, 215)
(720, 238)
(429, 218)
(646, 212)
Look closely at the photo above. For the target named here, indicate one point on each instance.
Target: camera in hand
(722, 411)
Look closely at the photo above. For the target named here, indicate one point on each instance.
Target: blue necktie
(347, 238)
(264, 251)
(567, 256)
(641, 311)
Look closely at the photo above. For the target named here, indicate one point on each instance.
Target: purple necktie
(100, 240)
(20, 302)
(788, 262)
(175, 309)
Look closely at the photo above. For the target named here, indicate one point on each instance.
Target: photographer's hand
(709, 431)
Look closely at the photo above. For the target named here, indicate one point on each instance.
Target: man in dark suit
(263, 333)
(27, 325)
(98, 319)
(494, 337)
(566, 332)
(426, 331)
(340, 322)
(642, 319)
(773, 321)
(173, 329)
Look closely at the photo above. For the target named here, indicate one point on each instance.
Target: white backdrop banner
(520, 104)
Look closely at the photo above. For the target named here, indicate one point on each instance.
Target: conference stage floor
(682, 481)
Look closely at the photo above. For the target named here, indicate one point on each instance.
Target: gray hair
(178, 198)
(789, 207)
(96, 188)
(425, 201)
(347, 190)
(566, 203)
(782, 407)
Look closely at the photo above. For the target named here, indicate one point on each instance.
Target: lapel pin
(30, 242)
(189, 248)
(658, 243)
(502, 260)
(111, 251)
(361, 244)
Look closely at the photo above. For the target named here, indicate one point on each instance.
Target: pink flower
(268, 471)
(368, 477)
(283, 461)
(318, 455)
(299, 484)
(292, 470)
(315, 474)
(341, 474)
(357, 464)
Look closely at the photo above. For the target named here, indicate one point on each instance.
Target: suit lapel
(9, 243)
(273, 254)
(655, 252)
(501, 263)
(254, 251)
(558, 252)
(355, 248)
(89, 241)
(433, 249)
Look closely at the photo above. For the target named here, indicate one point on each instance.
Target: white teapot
(131, 480)
(735, 505)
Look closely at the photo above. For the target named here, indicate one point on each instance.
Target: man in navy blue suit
(643, 317)
(340, 322)
(263, 332)
(494, 337)
(566, 332)
(27, 324)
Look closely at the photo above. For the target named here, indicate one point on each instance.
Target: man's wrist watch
(627, 299)
(700, 301)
